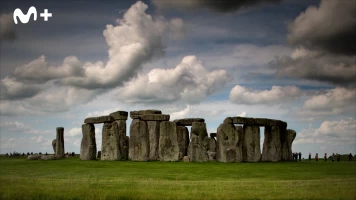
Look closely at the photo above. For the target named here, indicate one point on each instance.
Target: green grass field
(72, 178)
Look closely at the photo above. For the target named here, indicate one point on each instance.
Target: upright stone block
(198, 146)
(154, 134)
(251, 145)
(54, 146)
(139, 147)
(60, 142)
(113, 141)
(183, 141)
(272, 144)
(168, 142)
(88, 144)
(229, 143)
(287, 138)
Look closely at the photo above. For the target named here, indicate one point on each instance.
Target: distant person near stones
(309, 158)
(300, 156)
(325, 157)
(350, 157)
(333, 157)
(316, 157)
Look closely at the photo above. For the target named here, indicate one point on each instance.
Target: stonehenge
(153, 137)
(60, 142)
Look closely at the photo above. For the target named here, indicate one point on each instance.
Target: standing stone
(113, 140)
(251, 146)
(99, 155)
(229, 143)
(287, 139)
(198, 146)
(154, 133)
(88, 144)
(183, 141)
(126, 148)
(54, 145)
(272, 144)
(60, 142)
(139, 141)
(168, 142)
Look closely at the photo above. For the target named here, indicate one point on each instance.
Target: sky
(293, 60)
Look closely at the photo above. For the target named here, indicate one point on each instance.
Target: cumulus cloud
(318, 66)
(330, 27)
(330, 132)
(277, 95)
(219, 6)
(188, 81)
(7, 30)
(16, 126)
(243, 114)
(333, 102)
(137, 39)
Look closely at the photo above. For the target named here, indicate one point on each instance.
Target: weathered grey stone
(287, 138)
(188, 121)
(251, 146)
(255, 121)
(54, 145)
(137, 114)
(153, 131)
(49, 157)
(212, 155)
(119, 115)
(183, 141)
(229, 143)
(60, 142)
(113, 140)
(98, 155)
(168, 142)
(139, 141)
(99, 120)
(211, 144)
(198, 146)
(272, 144)
(88, 144)
(212, 135)
(34, 157)
(185, 159)
(154, 117)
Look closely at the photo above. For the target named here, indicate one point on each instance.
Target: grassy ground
(72, 178)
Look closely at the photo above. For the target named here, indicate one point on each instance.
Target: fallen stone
(49, 157)
(153, 131)
(198, 146)
(154, 117)
(54, 145)
(272, 144)
(60, 142)
(212, 135)
(99, 120)
(137, 114)
(229, 143)
(168, 142)
(119, 115)
(88, 144)
(183, 141)
(255, 121)
(34, 157)
(185, 159)
(286, 140)
(188, 121)
(139, 147)
(251, 146)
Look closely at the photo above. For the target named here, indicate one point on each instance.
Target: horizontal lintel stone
(99, 120)
(119, 115)
(188, 121)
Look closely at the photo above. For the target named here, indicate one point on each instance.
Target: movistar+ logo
(32, 10)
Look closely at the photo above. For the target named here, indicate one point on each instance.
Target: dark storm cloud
(330, 27)
(215, 5)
